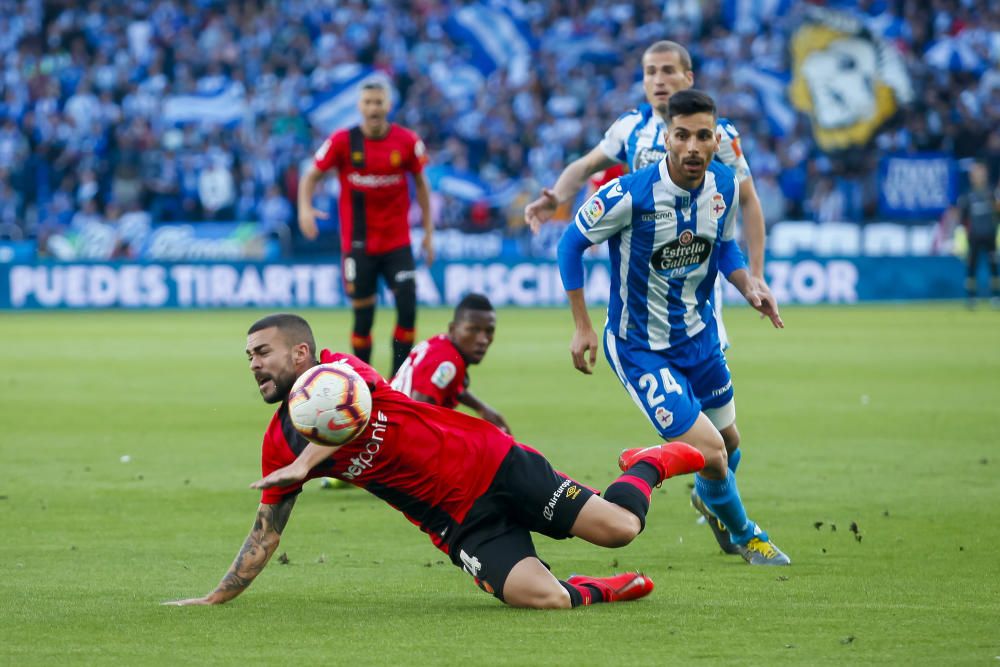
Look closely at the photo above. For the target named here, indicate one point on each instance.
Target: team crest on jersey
(444, 374)
(593, 210)
(718, 206)
(682, 255)
(395, 159)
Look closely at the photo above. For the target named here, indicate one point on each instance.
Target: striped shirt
(666, 244)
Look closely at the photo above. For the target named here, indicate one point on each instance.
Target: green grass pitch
(881, 417)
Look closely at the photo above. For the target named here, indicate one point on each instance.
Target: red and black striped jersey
(374, 190)
(429, 462)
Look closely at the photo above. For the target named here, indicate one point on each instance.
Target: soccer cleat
(619, 588)
(762, 552)
(718, 528)
(671, 459)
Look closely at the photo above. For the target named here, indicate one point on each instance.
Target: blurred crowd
(83, 139)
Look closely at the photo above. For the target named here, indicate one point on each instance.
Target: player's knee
(620, 529)
(541, 597)
(716, 457)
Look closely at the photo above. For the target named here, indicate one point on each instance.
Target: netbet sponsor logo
(366, 457)
(572, 491)
(682, 254)
(374, 180)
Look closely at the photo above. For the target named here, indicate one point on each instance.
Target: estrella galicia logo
(681, 255)
(647, 156)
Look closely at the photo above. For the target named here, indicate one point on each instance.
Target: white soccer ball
(330, 404)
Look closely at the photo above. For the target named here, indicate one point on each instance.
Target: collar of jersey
(675, 189)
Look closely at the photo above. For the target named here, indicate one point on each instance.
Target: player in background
(372, 161)
(436, 371)
(670, 230)
(476, 492)
(978, 213)
(637, 139)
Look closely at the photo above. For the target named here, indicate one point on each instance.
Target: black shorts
(361, 271)
(526, 496)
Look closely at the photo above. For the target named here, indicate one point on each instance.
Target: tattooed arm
(260, 545)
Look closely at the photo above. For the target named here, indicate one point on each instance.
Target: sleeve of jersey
(613, 143)
(326, 155)
(731, 151)
(419, 155)
(608, 211)
(271, 460)
(731, 258)
(435, 378)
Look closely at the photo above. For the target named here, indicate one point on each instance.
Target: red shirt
(430, 463)
(606, 176)
(374, 192)
(434, 368)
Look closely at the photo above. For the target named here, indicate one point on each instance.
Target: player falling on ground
(669, 229)
(472, 488)
(437, 369)
(372, 161)
(638, 139)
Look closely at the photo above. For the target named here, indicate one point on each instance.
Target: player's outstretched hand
(190, 602)
(290, 474)
(307, 221)
(759, 296)
(541, 210)
(583, 347)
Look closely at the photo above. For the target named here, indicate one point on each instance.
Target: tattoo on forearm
(258, 547)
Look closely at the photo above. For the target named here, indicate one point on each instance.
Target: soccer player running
(669, 228)
(476, 492)
(437, 369)
(372, 161)
(638, 139)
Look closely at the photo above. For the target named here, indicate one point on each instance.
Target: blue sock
(723, 498)
(734, 459)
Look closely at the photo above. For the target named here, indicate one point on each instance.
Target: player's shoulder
(367, 373)
(404, 133)
(725, 177)
(634, 116)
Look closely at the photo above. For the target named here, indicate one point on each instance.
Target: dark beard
(282, 385)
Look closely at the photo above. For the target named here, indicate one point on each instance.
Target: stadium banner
(916, 187)
(150, 285)
(848, 80)
(172, 242)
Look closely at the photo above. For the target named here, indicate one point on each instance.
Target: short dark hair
(689, 102)
(666, 46)
(294, 328)
(472, 301)
(376, 83)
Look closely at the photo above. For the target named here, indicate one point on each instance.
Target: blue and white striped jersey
(667, 245)
(636, 139)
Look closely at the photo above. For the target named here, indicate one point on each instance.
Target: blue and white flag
(226, 107)
(496, 38)
(772, 93)
(338, 107)
(954, 55)
(462, 185)
(746, 16)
